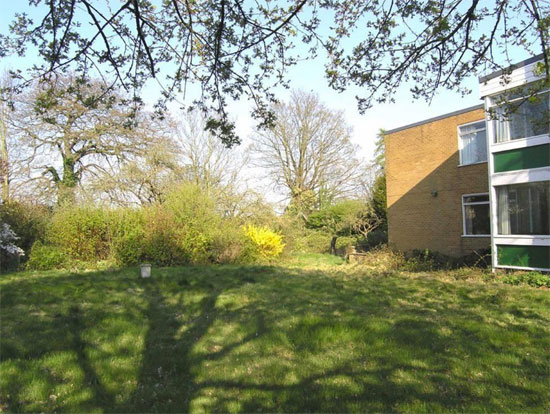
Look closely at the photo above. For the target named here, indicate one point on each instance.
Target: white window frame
(473, 204)
(461, 144)
(492, 140)
(511, 236)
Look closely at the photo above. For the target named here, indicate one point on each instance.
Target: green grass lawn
(295, 338)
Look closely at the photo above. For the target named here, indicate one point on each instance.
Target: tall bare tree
(4, 160)
(11, 165)
(205, 160)
(178, 152)
(72, 127)
(308, 152)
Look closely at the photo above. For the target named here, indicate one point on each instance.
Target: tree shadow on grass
(167, 364)
(166, 380)
(267, 339)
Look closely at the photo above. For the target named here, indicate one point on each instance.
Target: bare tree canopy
(205, 161)
(308, 151)
(142, 179)
(232, 48)
(71, 128)
(178, 152)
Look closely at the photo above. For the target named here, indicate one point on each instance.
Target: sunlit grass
(314, 336)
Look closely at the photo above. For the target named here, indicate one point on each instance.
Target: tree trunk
(333, 245)
(66, 186)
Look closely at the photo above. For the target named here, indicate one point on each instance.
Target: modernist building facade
(479, 177)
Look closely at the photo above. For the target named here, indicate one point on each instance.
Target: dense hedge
(186, 228)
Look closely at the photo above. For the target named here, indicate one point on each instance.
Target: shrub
(344, 243)
(28, 221)
(195, 245)
(82, 233)
(382, 258)
(10, 253)
(316, 242)
(194, 215)
(428, 260)
(425, 260)
(479, 258)
(129, 235)
(160, 244)
(301, 240)
(228, 244)
(535, 279)
(374, 239)
(45, 257)
(8, 238)
(263, 243)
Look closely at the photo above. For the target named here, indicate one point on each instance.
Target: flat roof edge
(437, 118)
(533, 59)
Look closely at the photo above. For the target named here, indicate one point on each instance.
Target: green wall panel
(525, 256)
(522, 158)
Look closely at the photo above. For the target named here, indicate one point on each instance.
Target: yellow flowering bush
(265, 242)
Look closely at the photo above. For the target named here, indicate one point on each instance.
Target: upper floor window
(472, 143)
(522, 117)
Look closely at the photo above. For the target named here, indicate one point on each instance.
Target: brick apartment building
(465, 181)
(428, 185)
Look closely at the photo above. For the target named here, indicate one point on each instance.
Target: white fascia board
(518, 77)
(520, 143)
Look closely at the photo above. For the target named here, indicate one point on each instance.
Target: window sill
(473, 163)
(523, 236)
(476, 235)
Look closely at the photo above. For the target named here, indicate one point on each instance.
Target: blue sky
(309, 76)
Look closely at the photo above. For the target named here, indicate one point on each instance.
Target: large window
(473, 143)
(522, 118)
(523, 208)
(475, 210)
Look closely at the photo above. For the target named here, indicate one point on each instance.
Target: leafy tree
(308, 153)
(232, 49)
(379, 199)
(72, 127)
(227, 47)
(344, 218)
(433, 44)
(380, 150)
